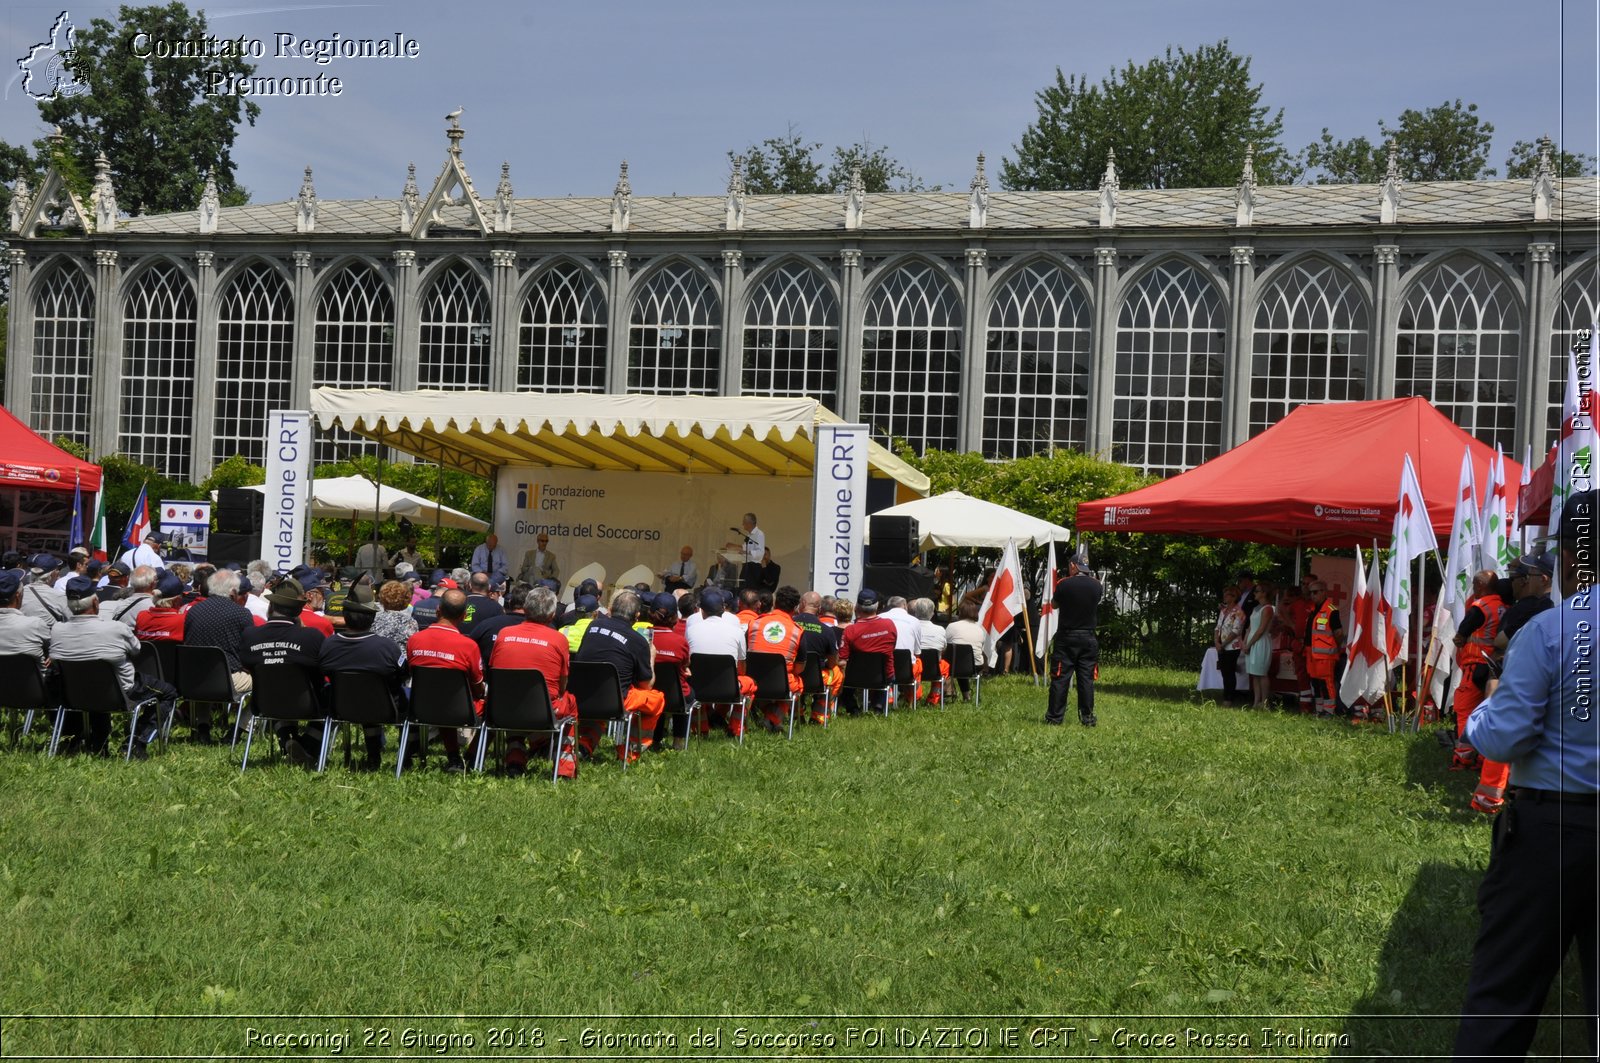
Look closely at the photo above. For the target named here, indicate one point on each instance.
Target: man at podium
(751, 545)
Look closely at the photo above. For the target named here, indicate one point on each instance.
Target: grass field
(1182, 867)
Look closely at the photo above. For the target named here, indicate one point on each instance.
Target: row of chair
(517, 699)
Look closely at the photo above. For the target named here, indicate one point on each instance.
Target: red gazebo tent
(29, 462)
(1326, 475)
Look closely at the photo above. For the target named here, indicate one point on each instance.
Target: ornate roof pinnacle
(1244, 194)
(455, 132)
(1544, 184)
(978, 198)
(1109, 186)
(1389, 203)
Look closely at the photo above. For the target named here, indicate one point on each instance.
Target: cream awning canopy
(956, 519)
(478, 431)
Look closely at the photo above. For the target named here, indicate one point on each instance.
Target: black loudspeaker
(895, 540)
(239, 511)
(888, 580)
(231, 546)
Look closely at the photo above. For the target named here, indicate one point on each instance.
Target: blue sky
(563, 91)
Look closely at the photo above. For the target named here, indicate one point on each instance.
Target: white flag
(1463, 554)
(1576, 449)
(1411, 536)
(1494, 548)
(1366, 673)
(1004, 603)
(1526, 533)
(1047, 609)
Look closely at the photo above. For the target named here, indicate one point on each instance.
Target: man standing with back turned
(1541, 891)
(1076, 650)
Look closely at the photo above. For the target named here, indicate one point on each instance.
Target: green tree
(789, 165)
(151, 116)
(1181, 120)
(1524, 160)
(1444, 143)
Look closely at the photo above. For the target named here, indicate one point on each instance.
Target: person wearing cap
(148, 552)
(1474, 640)
(219, 620)
(578, 619)
(113, 579)
(714, 630)
(1531, 575)
(358, 647)
(315, 586)
(870, 633)
(488, 558)
(1075, 651)
(87, 636)
(39, 597)
(570, 614)
(533, 643)
(671, 648)
(442, 645)
(19, 633)
(1540, 893)
(283, 642)
(612, 640)
(539, 563)
(163, 620)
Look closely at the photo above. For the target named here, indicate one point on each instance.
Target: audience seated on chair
(283, 641)
(612, 640)
(533, 643)
(356, 647)
(442, 645)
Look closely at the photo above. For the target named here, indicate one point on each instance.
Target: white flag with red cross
(1003, 605)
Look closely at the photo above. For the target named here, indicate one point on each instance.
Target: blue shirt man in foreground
(1542, 889)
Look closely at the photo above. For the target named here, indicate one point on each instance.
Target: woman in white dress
(1258, 648)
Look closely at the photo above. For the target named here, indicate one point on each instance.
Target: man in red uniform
(1474, 647)
(1324, 639)
(442, 645)
(535, 643)
(870, 633)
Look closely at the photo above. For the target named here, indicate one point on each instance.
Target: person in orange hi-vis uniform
(1324, 640)
(1474, 641)
(778, 632)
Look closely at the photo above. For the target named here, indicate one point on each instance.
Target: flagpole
(1416, 622)
(1027, 630)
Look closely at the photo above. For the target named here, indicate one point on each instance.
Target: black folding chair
(519, 701)
(287, 693)
(905, 677)
(770, 671)
(440, 697)
(669, 680)
(203, 678)
(813, 685)
(714, 679)
(362, 699)
(597, 689)
(869, 674)
(22, 688)
(931, 659)
(964, 665)
(94, 686)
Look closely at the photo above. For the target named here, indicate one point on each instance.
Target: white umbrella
(358, 498)
(956, 519)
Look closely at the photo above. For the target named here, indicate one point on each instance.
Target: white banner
(188, 525)
(287, 515)
(623, 520)
(839, 511)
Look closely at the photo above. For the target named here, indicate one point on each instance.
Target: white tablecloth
(1211, 675)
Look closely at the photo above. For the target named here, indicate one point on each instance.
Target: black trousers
(1539, 895)
(1075, 655)
(1228, 665)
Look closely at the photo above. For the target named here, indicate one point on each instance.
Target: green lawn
(1216, 869)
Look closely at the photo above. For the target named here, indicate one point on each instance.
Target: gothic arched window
(791, 336)
(675, 342)
(562, 344)
(1310, 343)
(1167, 392)
(63, 352)
(1036, 381)
(911, 358)
(453, 344)
(255, 360)
(158, 371)
(1458, 342)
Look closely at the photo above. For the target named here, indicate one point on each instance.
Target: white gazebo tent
(358, 498)
(956, 519)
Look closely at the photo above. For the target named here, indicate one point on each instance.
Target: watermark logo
(47, 68)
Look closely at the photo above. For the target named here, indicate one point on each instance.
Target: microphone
(740, 533)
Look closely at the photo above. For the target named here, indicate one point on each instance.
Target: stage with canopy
(622, 479)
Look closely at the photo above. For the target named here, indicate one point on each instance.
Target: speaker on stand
(895, 540)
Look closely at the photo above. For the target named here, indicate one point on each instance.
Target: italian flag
(97, 530)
